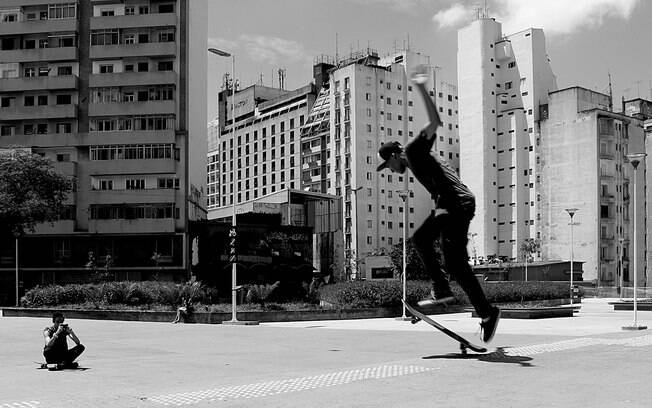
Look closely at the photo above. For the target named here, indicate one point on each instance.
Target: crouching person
(56, 352)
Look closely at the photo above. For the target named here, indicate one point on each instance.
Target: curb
(213, 317)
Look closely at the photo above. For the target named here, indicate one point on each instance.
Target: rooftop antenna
(611, 94)
(281, 77)
(337, 58)
(261, 79)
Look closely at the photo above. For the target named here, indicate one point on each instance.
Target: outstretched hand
(420, 74)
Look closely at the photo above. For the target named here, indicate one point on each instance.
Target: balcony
(39, 54)
(141, 20)
(128, 137)
(68, 168)
(39, 26)
(132, 196)
(24, 3)
(133, 79)
(39, 83)
(152, 166)
(131, 226)
(42, 140)
(39, 112)
(57, 227)
(160, 49)
(131, 108)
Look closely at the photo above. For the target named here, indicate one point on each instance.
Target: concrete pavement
(586, 360)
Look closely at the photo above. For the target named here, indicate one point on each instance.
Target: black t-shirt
(438, 178)
(61, 342)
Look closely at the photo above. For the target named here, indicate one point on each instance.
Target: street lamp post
(356, 254)
(404, 196)
(233, 233)
(635, 159)
(571, 212)
(620, 268)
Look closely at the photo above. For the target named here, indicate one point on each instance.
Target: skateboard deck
(464, 343)
(56, 367)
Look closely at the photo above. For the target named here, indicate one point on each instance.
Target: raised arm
(73, 336)
(420, 77)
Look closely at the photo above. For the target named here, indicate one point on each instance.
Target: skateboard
(57, 367)
(464, 343)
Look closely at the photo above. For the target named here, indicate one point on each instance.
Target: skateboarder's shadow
(497, 356)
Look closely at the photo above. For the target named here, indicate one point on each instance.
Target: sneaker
(488, 325)
(443, 298)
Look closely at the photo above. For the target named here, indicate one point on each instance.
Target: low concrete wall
(212, 318)
(647, 306)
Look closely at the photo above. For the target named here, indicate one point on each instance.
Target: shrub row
(360, 294)
(116, 293)
(389, 293)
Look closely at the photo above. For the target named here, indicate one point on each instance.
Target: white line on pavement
(268, 388)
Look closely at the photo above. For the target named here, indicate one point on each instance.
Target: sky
(586, 40)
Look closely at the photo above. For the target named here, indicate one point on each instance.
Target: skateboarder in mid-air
(449, 222)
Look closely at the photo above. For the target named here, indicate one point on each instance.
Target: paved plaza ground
(581, 361)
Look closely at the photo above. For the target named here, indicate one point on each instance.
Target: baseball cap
(385, 153)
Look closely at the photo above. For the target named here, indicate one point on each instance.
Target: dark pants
(54, 356)
(451, 231)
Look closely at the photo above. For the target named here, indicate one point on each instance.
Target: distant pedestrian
(56, 350)
(449, 222)
(184, 311)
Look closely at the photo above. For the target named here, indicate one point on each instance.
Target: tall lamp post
(404, 196)
(571, 212)
(635, 159)
(233, 233)
(356, 254)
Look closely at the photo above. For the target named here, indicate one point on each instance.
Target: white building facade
(503, 80)
(372, 101)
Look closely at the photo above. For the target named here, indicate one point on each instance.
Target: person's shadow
(497, 356)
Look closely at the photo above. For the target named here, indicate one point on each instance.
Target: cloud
(554, 16)
(264, 49)
(273, 50)
(404, 6)
(453, 16)
(560, 16)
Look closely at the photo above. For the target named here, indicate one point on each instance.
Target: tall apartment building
(113, 92)
(262, 155)
(582, 164)
(213, 165)
(371, 101)
(502, 82)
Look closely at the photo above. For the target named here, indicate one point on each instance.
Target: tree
(528, 247)
(31, 192)
(415, 269)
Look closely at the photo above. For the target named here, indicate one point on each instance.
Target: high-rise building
(372, 101)
(502, 82)
(582, 164)
(114, 94)
(213, 165)
(262, 155)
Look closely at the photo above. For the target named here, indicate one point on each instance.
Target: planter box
(646, 306)
(535, 312)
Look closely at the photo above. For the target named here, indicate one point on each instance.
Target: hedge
(389, 293)
(360, 294)
(116, 293)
